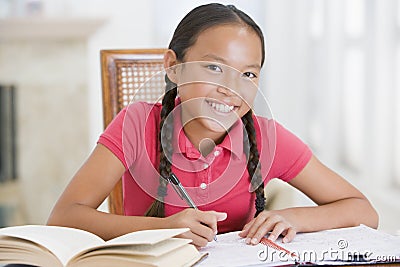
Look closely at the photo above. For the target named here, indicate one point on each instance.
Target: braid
(165, 138)
(253, 162)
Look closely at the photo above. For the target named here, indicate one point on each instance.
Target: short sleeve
(291, 155)
(111, 138)
(124, 136)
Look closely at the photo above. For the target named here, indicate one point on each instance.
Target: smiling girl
(205, 133)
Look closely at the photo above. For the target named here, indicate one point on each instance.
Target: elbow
(58, 217)
(373, 219)
(369, 216)
(53, 219)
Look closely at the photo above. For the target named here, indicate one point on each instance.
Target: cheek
(192, 98)
(185, 92)
(194, 90)
(249, 97)
(248, 91)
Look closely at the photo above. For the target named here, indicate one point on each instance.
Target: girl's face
(218, 80)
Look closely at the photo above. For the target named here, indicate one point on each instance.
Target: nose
(226, 91)
(229, 84)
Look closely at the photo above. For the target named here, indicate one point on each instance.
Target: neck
(203, 139)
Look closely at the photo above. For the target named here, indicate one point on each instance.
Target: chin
(218, 127)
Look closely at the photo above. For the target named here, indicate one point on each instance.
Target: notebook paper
(325, 247)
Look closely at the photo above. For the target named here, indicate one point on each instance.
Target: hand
(268, 221)
(202, 224)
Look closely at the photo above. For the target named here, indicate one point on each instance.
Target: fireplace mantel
(47, 60)
(50, 29)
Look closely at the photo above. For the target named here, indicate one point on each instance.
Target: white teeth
(221, 107)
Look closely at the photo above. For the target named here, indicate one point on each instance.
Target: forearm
(105, 225)
(342, 213)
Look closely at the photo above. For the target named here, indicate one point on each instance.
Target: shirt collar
(182, 144)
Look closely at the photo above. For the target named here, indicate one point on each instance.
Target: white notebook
(332, 247)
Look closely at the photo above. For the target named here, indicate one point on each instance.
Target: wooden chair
(123, 73)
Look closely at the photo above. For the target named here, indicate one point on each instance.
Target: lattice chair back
(123, 73)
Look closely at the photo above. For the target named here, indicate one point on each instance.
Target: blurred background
(332, 76)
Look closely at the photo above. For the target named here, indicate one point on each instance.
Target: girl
(200, 134)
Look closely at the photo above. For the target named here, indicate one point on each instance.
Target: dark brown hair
(196, 21)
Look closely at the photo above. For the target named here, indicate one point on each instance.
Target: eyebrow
(222, 60)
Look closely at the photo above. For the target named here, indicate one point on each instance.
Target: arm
(77, 206)
(339, 205)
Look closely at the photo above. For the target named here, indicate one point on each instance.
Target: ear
(170, 62)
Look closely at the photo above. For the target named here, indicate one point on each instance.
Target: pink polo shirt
(218, 181)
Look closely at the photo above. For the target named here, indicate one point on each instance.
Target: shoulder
(142, 108)
(291, 153)
(274, 129)
(132, 118)
(283, 154)
(125, 134)
(288, 138)
(137, 112)
(141, 112)
(140, 116)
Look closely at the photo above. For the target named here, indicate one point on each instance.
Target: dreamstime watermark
(341, 253)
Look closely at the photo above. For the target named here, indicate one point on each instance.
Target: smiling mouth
(220, 107)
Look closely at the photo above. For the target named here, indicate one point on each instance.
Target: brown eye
(250, 75)
(215, 68)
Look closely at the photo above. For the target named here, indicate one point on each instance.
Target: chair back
(123, 73)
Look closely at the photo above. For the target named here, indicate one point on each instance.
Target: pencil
(180, 190)
(273, 245)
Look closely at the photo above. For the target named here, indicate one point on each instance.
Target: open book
(344, 246)
(53, 246)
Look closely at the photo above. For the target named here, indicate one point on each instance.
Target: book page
(322, 247)
(146, 236)
(66, 243)
(61, 241)
(183, 256)
(145, 242)
(154, 250)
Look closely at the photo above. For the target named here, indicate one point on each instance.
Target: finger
(203, 230)
(210, 219)
(284, 233)
(291, 233)
(277, 230)
(221, 216)
(206, 225)
(257, 222)
(262, 225)
(269, 225)
(246, 228)
(197, 240)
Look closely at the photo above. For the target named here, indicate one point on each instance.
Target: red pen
(273, 245)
